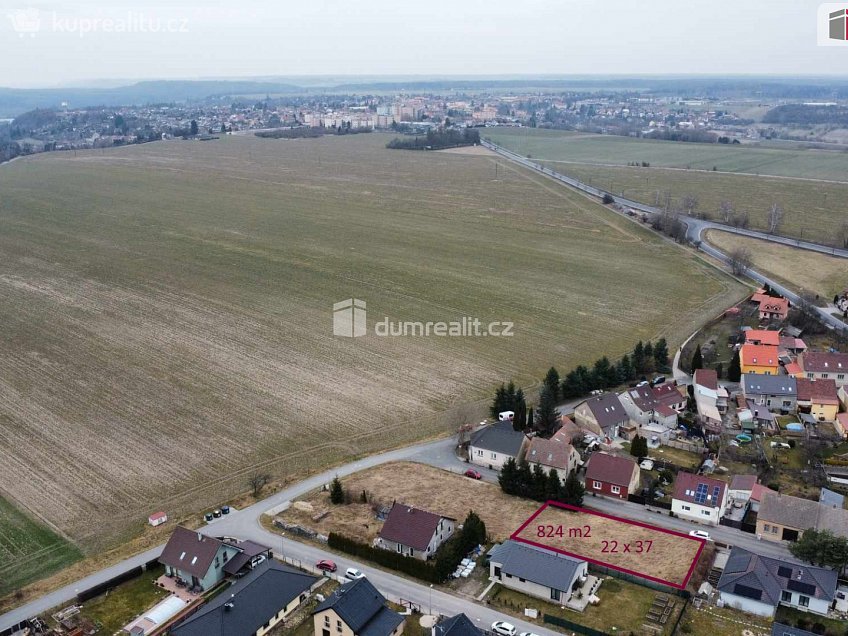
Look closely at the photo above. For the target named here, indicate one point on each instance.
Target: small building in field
(612, 476)
(157, 519)
(535, 571)
(758, 584)
(413, 532)
(699, 498)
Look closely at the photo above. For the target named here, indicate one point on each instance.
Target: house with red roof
(824, 365)
(413, 532)
(553, 454)
(612, 475)
(774, 309)
(762, 337)
(759, 359)
(699, 498)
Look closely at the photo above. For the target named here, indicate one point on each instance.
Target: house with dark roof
(250, 555)
(196, 559)
(758, 584)
(779, 629)
(604, 415)
(536, 571)
(413, 532)
(459, 625)
(493, 445)
(612, 475)
(356, 609)
(553, 454)
(821, 365)
(253, 605)
(699, 498)
(643, 407)
(776, 392)
(785, 518)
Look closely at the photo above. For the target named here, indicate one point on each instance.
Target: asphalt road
(245, 524)
(695, 228)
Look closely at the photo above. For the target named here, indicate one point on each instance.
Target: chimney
(199, 537)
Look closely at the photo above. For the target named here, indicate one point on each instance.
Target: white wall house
(699, 498)
(493, 446)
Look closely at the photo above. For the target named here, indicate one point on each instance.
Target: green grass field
(814, 210)
(29, 549)
(168, 311)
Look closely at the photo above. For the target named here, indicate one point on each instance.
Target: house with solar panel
(758, 584)
(699, 498)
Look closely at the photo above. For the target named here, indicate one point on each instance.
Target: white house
(699, 498)
(413, 532)
(493, 445)
(757, 584)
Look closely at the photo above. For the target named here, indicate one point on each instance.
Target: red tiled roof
(775, 305)
(548, 452)
(758, 491)
(824, 362)
(763, 337)
(758, 355)
(823, 392)
(686, 484)
(611, 469)
(793, 368)
(707, 378)
(805, 389)
(410, 526)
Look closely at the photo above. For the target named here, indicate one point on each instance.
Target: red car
(326, 565)
(473, 474)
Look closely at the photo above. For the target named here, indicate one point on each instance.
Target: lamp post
(431, 599)
(283, 546)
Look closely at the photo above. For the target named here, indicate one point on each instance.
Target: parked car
(353, 574)
(259, 558)
(658, 380)
(700, 534)
(473, 474)
(528, 634)
(503, 628)
(325, 565)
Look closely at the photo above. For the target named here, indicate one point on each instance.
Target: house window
(494, 455)
(766, 528)
(596, 484)
(787, 403)
(774, 529)
(327, 621)
(686, 507)
(706, 513)
(522, 580)
(338, 626)
(555, 594)
(825, 376)
(479, 452)
(803, 601)
(226, 556)
(840, 376)
(786, 597)
(400, 548)
(615, 490)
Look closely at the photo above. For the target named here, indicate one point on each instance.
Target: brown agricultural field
(415, 485)
(648, 551)
(167, 311)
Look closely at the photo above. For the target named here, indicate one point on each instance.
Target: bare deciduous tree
(739, 219)
(774, 217)
(739, 260)
(257, 482)
(843, 234)
(726, 211)
(690, 204)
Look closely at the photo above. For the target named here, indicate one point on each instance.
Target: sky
(48, 43)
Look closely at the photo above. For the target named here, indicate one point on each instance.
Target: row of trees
(510, 398)
(517, 478)
(822, 548)
(437, 139)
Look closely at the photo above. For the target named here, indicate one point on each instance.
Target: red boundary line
(563, 506)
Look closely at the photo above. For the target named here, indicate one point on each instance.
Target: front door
(497, 572)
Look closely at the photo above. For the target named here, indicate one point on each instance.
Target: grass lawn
(176, 298)
(676, 456)
(124, 603)
(814, 208)
(716, 335)
(623, 605)
(29, 549)
(800, 270)
(811, 622)
(714, 621)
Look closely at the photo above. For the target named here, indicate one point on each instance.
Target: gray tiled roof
(459, 625)
(779, 629)
(541, 566)
(608, 410)
(758, 384)
(255, 599)
(362, 608)
(499, 437)
(746, 569)
(801, 514)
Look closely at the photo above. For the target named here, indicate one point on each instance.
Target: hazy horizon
(54, 44)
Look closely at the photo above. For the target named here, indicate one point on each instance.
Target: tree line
(437, 140)
(517, 478)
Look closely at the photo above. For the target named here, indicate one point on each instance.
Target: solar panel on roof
(716, 490)
(784, 572)
(747, 592)
(701, 494)
(803, 588)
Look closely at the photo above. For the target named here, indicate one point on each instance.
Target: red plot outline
(563, 506)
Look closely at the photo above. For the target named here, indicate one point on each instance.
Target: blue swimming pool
(795, 427)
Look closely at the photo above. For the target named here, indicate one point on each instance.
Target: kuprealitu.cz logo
(28, 22)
